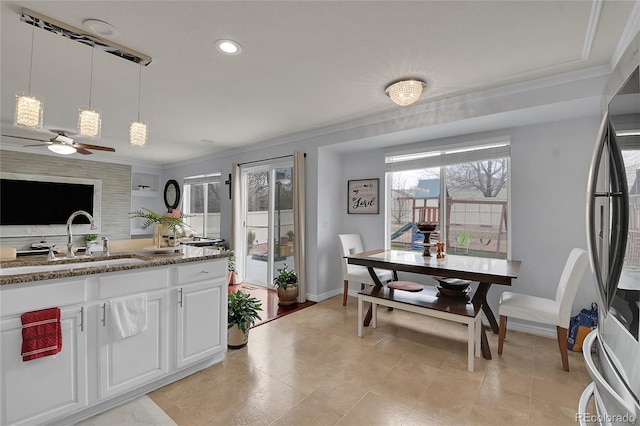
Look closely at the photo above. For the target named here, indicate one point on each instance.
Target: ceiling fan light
(405, 92)
(61, 148)
(28, 111)
(138, 133)
(89, 123)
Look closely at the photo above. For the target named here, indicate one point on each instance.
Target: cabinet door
(131, 362)
(36, 391)
(201, 321)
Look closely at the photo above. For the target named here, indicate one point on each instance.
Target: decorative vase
(237, 338)
(288, 296)
(232, 278)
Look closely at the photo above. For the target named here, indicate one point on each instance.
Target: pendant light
(137, 129)
(29, 108)
(89, 119)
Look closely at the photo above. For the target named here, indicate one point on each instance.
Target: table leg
(484, 343)
(481, 293)
(376, 280)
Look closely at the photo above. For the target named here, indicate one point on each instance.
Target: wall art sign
(363, 196)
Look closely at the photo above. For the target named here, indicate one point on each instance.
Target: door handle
(104, 314)
(82, 319)
(180, 297)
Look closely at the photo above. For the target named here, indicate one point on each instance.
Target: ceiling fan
(63, 144)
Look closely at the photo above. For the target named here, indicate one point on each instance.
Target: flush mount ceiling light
(101, 28)
(29, 108)
(138, 129)
(228, 47)
(89, 119)
(405, 92)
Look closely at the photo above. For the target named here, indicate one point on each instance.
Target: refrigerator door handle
(582, 414)
(595, 227)
(602, 386)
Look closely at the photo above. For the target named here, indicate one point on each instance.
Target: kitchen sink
(32, 269)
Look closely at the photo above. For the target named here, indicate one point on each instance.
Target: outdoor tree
(488, 177)
(403, 199)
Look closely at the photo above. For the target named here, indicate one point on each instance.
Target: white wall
(549, 168)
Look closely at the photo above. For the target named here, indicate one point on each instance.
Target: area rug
(140, 411)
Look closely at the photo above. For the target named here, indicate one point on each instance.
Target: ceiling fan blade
(24, 137)
(80, 145)
(83, 151)
(40, 144)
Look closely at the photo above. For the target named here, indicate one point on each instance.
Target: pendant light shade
(89, 122)
(28, 108)
(405, 92)
(28, 111)
(137, 133)
(138, 130)
(89, 119)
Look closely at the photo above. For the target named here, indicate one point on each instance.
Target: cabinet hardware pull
(180, 297)
(82, 319)
(104, 314)
(204, 272)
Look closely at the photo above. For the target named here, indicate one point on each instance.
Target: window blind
(481, 151)
(196, 180)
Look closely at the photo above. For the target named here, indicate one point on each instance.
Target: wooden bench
(427, 302)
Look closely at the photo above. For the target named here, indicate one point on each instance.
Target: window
(464, 190)
(202, 204)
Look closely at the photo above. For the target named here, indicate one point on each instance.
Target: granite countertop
(82, 265)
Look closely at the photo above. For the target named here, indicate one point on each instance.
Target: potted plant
(286, 282)
(242, 314)
(171, 225)
(231, 268)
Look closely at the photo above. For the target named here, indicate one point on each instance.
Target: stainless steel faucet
(105, 246)
(69, 236)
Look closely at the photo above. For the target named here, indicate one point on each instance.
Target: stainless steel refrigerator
(612, 351)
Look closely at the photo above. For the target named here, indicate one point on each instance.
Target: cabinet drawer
(199, 271)
(122, 284)
(20, 299)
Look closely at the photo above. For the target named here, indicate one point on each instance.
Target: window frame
(441, 157)
(206, 179)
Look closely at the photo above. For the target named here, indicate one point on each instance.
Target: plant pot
(288, 296)
(237, 338)
(232, 277)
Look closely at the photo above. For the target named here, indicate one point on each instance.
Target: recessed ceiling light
(228, 47)
(101, 28)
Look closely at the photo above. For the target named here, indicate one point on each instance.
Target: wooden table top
(489, 270)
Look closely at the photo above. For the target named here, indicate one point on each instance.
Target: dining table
(483, 270)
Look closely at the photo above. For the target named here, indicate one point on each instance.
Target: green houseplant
(241, 315)
(231, 268)
(286, 282)
(173, 224)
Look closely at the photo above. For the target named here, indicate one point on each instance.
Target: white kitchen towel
(128, 315)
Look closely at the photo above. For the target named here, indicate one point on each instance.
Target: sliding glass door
(267, 221)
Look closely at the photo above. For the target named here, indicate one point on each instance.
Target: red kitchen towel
(41, 333)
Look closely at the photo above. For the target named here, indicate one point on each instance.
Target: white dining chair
(547, 311)
(352, 244)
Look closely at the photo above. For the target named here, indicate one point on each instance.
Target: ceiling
(305, 65)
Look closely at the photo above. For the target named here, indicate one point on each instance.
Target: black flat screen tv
(30, 202)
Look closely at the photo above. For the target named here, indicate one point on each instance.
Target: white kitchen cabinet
(201, 311)
(36, 391)
(131, 362)
(186, 332)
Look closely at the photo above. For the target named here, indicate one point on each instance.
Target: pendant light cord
(139, 80)
(93, 45)
(33, 31)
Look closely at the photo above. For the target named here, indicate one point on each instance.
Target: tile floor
(310, 368)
